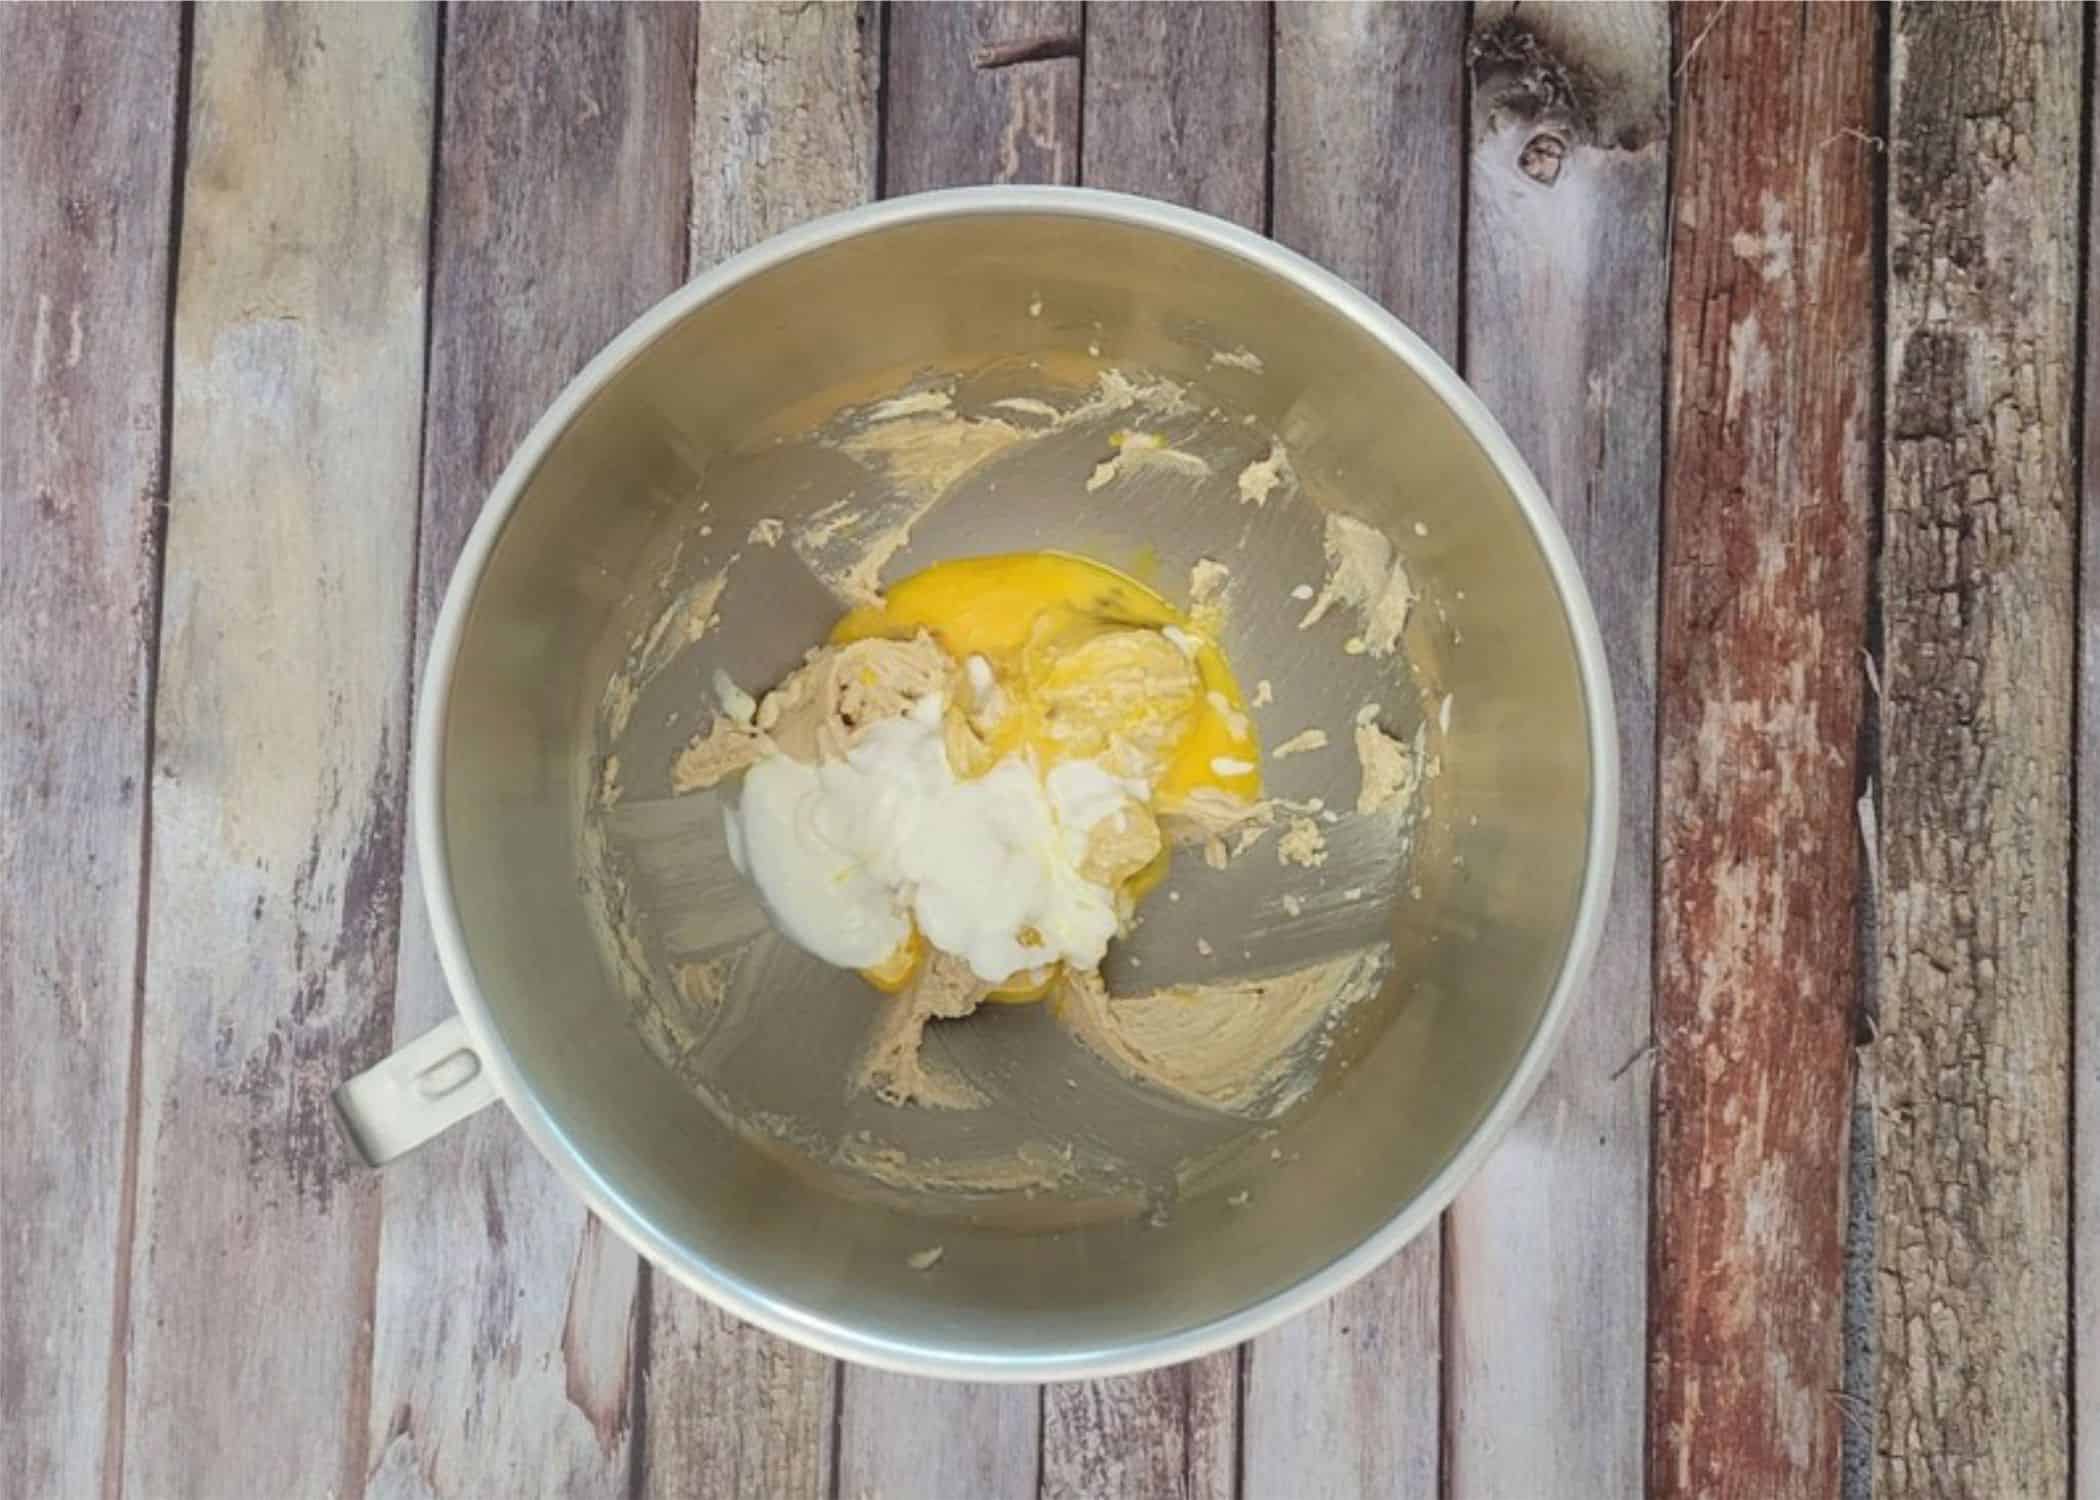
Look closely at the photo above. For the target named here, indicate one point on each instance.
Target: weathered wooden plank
(1177, 105)
(732, 1409)
(1343, 1400)
(504, 1346)
(1766, 523)
(1369, 152)
(902, 1436)
(1546, 1308)
(87, 149)
(1971, 1064)
(985, 91)
(279, 745)
(1172, 1432)
(1177, 108)
(786, 128)
(2085, 1044)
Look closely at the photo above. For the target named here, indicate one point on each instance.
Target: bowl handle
(430, 1085)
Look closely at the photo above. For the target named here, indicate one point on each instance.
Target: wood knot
(1542, 156)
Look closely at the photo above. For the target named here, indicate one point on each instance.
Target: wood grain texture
(504, 1343)
(1567, 275)
(1370, 152)
(87, 148)
(1971, 1066)
(2085, 1042)
(1342, 1400)
(1168, 1433)
(1177, 108)
(902, 1436)
(1177, 105)
(786, 128)
(279, 745)
(1766, 518)
(733, 1411)
(984, 91)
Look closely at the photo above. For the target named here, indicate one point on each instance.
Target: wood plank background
(1978, 569)
(1781, 303)
(87, 165)
(1764, 622)
(1567, 274)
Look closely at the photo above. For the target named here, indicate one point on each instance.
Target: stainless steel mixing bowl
(654, 466)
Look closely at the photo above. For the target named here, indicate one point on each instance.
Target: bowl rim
(839, 1339)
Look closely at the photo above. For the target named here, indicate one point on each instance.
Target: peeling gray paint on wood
(280, 739)
(1370, 152)
(785, 121)
(2085, 1042)
(1343, 1400)
(1177, 106)
(899, 1435)
(982, 92)
(1546, 1305)
(87, 159)
(1171, 1433)
(504, 1329)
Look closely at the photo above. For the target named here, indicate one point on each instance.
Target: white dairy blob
(846, 854)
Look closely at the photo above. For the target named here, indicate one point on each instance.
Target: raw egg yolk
(1070, 659)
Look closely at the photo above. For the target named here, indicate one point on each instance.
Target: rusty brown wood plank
(1766, 523)
(983, 91)
(1176, 108)
(1369, 162)
(87, 162)
(279, 745)
(1546, 1306)
(1177, 105)
(786, 128)
(1971, 1062)
(504, 1348)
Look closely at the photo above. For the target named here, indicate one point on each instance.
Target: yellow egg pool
(1069, 659)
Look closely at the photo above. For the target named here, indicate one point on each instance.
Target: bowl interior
(1086, 1219)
